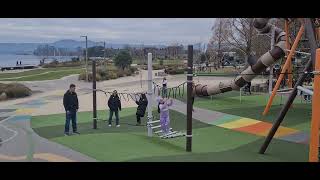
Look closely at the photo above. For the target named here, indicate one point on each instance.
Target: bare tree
(215, 45)
(239, 34)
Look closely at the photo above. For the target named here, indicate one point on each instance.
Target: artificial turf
(131, 143)
(252, 106)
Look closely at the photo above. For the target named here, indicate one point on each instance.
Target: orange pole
(290, 76)
(315, 121)
(284, 69)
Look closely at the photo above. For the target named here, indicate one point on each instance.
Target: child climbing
(163, 109)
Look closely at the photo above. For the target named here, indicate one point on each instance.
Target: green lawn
(252, 106)
(131, 143)
(41, 74)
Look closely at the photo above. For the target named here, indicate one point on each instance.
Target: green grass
(278, 151)
(131, 143)
(252, 107)
(52, 126)
(41, 74)
(82, 117)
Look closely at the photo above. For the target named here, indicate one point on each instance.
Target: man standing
(114, 104)
(71, 105)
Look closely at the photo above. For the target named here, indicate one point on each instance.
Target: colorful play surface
(259, 128)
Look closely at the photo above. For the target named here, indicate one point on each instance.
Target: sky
(112, 30)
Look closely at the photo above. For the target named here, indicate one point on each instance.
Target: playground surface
(222, 131)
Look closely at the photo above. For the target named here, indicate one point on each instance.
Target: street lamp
(86, 56)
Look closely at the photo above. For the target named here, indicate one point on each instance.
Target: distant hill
(18, 48)
(28, 48)
(72, 44)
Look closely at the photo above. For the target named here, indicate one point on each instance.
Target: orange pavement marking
(256, 128)
(282, 131)
(44, 156)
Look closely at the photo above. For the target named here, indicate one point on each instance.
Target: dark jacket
(142, 106)
(114, 103)
(70, 101)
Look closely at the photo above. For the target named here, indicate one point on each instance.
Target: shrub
(15, 90)
(55, 63)
(106, 73)
(175, 70)
(157, 67)
(161, 62)
(133, 69)
(120, 73)
(82, 76)
(113, 75)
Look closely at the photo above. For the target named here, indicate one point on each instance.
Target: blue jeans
(164, 92)
(117, 116)
(72, 115)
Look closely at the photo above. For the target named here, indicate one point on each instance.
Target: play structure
(281, 47)
(153, 126)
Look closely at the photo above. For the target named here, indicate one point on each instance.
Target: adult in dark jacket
(71, 106)
(142, 106)
(114, 104)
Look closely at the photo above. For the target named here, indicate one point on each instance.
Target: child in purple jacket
(163, 107)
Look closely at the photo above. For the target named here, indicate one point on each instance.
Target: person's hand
(68, 112)
(76, 110)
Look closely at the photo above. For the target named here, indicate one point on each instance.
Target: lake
(11, 59)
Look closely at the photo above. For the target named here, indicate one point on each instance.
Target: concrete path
(21, 143)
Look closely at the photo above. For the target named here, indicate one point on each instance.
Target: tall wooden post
(315, 121)
(189, 99)
(94, 94)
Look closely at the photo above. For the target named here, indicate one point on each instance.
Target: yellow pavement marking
(24, 111)
(44, 156)
(239, 123)
(282, 131)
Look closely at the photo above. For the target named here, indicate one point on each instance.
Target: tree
(203, 58)
(95, 51)
(123, 59)
(216, 43)
(239, 34)
(161, 62)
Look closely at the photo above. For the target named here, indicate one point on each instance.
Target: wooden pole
(189, 99)
(284, 69)
(315, 121)
(94, 94)
(290, 76)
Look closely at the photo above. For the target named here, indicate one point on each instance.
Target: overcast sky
(112, 30)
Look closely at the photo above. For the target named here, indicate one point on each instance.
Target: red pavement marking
(255, 128)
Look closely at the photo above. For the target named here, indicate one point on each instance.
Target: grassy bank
(41, 74)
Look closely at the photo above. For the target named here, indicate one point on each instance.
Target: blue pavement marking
(299, 137)
(20, 118)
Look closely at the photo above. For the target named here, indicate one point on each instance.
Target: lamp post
(86, 56)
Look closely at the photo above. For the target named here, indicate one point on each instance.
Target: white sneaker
(109, 125)
(118, 125)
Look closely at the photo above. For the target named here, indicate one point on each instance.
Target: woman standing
(142, 105)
